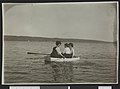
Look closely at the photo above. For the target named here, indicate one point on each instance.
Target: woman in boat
(72, 50)
(56, 53)
(67, 51)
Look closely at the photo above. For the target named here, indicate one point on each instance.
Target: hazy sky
(81, 21)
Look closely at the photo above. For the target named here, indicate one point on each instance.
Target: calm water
(98, 64)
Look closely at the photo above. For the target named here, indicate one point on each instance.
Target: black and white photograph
(60, 43)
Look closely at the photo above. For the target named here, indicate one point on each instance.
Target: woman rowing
(56, 53)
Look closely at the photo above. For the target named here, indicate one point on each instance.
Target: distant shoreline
(29, 38)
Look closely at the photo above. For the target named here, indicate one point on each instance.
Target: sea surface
(98, 63)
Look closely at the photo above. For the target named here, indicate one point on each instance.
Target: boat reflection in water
(62, 71)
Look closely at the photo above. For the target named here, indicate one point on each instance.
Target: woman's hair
(58, 42)
(66, 44)
(71, 44)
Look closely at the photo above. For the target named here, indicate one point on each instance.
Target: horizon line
(60, 38)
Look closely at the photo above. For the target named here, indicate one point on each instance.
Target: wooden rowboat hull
(64, 59)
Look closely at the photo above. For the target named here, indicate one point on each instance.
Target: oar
(37, 53)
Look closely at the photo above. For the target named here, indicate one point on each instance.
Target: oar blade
(37, 53)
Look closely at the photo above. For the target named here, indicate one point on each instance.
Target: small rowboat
(65, 59)
(50, 59)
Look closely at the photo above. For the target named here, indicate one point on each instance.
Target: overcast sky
(81, 21)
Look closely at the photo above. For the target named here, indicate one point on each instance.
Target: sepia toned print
(60, 43)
